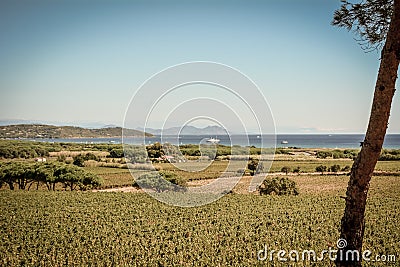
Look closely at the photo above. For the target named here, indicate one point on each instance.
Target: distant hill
(189, 130)
(90, 125)
(51, 131)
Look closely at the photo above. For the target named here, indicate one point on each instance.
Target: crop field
(113, 177)
(214, 170)
(122, 229)
(85, 228)
(388, 166)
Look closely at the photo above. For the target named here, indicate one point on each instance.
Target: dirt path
(127, 189)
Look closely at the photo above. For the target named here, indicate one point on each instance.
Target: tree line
(24, 175)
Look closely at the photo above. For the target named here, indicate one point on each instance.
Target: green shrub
(278, 186)
(335, 168)
(297, 170)
(116, 153)
(390, 154)
(255, 166)
(323, 154)
(286, 169)
(90, 156)
(346, 168)
(161, 182)
(321, 169)
(79, 161)
(173, 178)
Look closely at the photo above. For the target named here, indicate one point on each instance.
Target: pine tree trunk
(352, 226)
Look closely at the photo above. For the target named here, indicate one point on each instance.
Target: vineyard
(39, 228)
(45, 223)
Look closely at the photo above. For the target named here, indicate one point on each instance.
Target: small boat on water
(213, 140)
(284, 142)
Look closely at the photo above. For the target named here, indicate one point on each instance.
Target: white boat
(284, 142)
(213, 140)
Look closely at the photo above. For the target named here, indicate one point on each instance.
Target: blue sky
(80, 62)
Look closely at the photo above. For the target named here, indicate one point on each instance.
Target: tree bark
(352, 224)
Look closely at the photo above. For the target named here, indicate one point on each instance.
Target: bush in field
(79, 161)
(296, 170)
(89, 181)
(155, 150)
(160, 182)
(135, 154)
(334, 168)
(321, 169)
(255, 166)
(286, 169)
(393, 154)
(350, 153)
(323, 154)
(173, 178)
(116, 153)
(260, 168)
(346, 168)
(153, 181)
(90, 156)
(278, 186)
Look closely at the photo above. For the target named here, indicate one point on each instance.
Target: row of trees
(24, 150)
(287, 169)
(25, 175)
(390, 155)
(338, 154)
(10, 149)
(157, 150)
(320, 168)
(333, 168)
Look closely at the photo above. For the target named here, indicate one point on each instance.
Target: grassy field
(122, 229)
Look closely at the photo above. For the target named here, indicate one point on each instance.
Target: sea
(392, 141)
